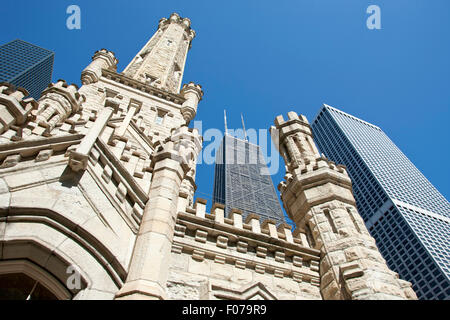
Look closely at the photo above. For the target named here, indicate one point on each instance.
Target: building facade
(27, 66)
(407, 216)
(242, 180)
(97, 188)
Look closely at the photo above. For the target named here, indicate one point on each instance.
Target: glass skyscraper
(242, 180)
(404, 212)
(26, 65)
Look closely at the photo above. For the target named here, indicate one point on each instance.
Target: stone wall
(226, 258)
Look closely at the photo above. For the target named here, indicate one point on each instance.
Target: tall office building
(26, 65)
(403, 211)
(242, 180)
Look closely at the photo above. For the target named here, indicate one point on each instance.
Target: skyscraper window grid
(26, 65)
(405, 213)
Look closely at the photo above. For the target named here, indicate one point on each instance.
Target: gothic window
(19, 286)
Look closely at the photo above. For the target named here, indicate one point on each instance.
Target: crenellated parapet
(175, 18)
(317, 195)
(333, 180)
(14, 109)
(102, 59)
(56, 104)
(294, 139)
(248, 251)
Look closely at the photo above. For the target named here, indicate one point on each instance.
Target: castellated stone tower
(90, 177)
(317, 195)
(97, 198)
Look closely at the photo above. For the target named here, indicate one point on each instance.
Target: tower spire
(161, 61)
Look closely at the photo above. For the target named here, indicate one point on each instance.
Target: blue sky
(265, 58)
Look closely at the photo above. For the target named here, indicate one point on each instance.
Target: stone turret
(148, 267)
(102, 59)
(193, 93)
(317, 196)
(56, 104)
(14, 109)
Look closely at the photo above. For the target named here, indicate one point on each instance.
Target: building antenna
(243, 127)
(225, 120)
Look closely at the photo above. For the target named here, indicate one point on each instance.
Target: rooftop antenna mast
(243, 127)
(225, 120)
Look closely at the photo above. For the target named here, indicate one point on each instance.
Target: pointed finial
(225, 120)
(243, 127)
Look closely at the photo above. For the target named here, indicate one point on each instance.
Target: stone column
(148, 268)
(317, 196)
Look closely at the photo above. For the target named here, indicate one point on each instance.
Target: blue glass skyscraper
(404, 212)
(26, 65)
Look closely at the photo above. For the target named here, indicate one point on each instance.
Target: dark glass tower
(404, 212)
(242, 180)
(26, 65)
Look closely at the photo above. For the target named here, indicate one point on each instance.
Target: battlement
(70, 92)
(248, 244)
(312, 166)
(295, 123)
(107, 54)
(175, 18)
(14, 109)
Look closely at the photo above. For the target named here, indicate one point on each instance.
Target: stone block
(242, 246)
(222, 242)
(297, 261)
(222, 271)
(198, 264)
(219, 259)
(261, 252)
(259, 268)
(18, 180)
(240, 264)
(201, 236)
(280, 256)
(241, 276)
(198, 255)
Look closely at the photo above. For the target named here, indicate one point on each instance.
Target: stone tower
(317, 196)
(97, 198)
(89, 159)
(161, 61)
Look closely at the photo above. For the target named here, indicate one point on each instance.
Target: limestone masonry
(101, 179)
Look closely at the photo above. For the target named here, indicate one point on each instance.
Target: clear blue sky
(264, 58)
